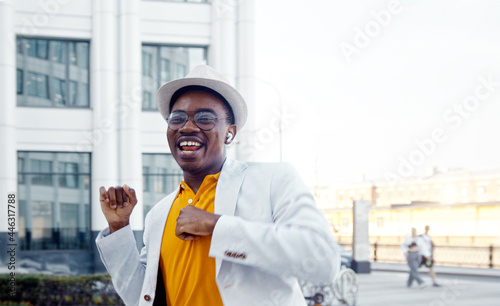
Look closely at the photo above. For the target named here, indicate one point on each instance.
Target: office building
(78, 89)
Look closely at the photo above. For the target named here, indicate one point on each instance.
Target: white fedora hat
(205, 76)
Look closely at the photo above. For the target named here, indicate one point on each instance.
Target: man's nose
(190, 125)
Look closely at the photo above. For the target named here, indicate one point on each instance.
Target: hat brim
(232, 96)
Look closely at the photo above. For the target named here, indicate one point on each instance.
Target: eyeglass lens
(203, 119)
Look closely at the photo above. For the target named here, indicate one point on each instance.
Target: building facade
(461, 206)
(78, 88)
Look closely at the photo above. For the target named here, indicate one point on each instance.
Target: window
(59, 51)
(160, 176)
(180, 71)
(165, 71)
(69, 176)
(380, 222)
(147, 58)
(41, 172)
(52, 73)
(146, 185)
(54, 199)
(37, 48)
(147, 100)
(20, 81)
(20, 169)
(161, 64)
(38, 85)
(59, 88)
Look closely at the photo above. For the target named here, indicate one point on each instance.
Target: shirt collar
(207, 179)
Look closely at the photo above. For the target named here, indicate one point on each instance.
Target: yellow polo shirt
(188, 272)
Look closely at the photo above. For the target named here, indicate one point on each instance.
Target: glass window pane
(31, 47)
(19, 45)
(42, 86)
(41, 172)
(161, 176)
(54, 216)
(19, 81)
(162, 64)
(41, 48)
(83, 54)
(73, 96)
(145, 179)
(72, 52)
(55, 73)
(180, 71)
(149, 76)
(20, 169)
(58, 51)
(69, 178)
(31, 84)
(165, 71)
(147, 100)
(147, 59)
(37, 85)
(59, 91)
(83, 97)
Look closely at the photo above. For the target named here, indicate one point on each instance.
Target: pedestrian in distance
(429, 260)
(233, 233)
(414, 248)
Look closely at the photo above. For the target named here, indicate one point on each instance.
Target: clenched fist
(117, 204)
(193, 222)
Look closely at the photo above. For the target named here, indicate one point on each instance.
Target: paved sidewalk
(384, 288)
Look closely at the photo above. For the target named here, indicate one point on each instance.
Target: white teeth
(190, 143)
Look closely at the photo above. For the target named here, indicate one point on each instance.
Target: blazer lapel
(158, 221)
(228, 187)
(226, 194)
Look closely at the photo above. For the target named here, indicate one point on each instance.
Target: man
(413, 248)
(429, 260)
(233, 233)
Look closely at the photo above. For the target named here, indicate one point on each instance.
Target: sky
(378, 88)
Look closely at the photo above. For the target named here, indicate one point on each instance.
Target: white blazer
(269, 235)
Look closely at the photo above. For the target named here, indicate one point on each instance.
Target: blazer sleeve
(124, 263)
(298, 242)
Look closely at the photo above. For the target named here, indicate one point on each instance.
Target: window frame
(56, 239)
(81, 63)
(157, 69)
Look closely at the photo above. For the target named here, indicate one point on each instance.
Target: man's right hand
(117, 204)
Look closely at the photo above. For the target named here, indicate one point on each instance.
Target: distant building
(78, 90)
(461, 204)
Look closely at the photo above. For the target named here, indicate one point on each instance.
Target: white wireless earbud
(229, 137)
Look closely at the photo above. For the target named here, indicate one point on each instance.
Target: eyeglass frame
(193, 114)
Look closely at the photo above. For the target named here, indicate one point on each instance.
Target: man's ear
(231, 133)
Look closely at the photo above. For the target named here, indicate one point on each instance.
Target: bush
(40, 289)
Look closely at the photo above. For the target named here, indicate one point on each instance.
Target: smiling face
(198, 152)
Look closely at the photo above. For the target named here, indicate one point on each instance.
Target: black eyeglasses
(205, 120)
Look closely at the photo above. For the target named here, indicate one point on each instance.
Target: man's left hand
(193, 222)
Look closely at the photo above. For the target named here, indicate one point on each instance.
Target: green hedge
(41, 289)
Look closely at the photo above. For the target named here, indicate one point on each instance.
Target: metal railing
(449, 255)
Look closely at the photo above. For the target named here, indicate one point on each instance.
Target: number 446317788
(11, 220)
